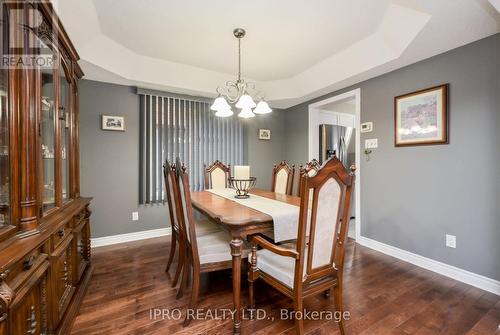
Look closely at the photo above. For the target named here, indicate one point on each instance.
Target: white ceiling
(283, 38)
(295, 50)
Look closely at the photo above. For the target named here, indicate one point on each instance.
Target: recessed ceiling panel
(284, 37)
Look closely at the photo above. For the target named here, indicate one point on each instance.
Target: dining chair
(205, 253)
(203, 226)
(315, 262)
(311, 168)
(283, 178)
(217, 175)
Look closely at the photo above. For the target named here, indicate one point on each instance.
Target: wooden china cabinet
(44, 222)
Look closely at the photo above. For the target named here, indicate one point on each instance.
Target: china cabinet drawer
(61, 234)
(19, 273)
(61, 280)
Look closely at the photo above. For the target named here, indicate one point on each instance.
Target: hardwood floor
(383, 295)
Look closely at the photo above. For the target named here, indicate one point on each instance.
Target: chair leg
(194, 295)
(173, 244)
(251, 278)
(180, 263)
(185, 277)
(250, 297)
(337, 296)
(299, 322)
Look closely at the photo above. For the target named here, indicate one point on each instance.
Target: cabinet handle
(32, 322)
(28, 262)
(4, 274)
(3, 317)
(61, 232)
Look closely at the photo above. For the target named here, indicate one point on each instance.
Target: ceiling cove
(294, 50)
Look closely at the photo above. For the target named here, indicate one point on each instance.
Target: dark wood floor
(384, 296)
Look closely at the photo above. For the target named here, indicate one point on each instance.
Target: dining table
(241, 222)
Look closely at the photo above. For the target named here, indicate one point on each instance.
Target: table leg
(236, 248)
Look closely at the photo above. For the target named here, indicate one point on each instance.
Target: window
(172, 127)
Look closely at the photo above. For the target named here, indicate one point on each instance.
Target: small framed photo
(265, 134)
(421, 118)
(115, 123)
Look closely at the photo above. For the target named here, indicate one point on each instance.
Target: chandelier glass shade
(220, 104)
(239, 93)
(246, 113)
(245, 101)
(262, 108)
(225, 112)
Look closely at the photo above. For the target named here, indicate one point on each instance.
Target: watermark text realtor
(26, 45)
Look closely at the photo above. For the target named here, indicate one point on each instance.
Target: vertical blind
(172, 127)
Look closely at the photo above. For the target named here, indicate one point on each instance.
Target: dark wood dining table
(240, 221)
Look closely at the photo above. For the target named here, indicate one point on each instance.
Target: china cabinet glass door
(4, 134)
(65, 117)
(48, 139)
(4, 151)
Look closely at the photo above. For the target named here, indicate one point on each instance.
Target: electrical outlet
(451, 241)
(135, 216)
(371, 143)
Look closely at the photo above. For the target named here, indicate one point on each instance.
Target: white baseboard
(141, 235)
(453, 272)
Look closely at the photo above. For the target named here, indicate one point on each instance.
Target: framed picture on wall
(115, 123)
(265, 134)
(421, 118)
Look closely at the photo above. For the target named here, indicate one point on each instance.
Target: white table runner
(285, 216)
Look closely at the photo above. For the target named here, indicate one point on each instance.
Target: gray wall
(261, 155)
(109, 160)
(411, 197)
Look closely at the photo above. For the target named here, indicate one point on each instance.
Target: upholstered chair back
(169, 175)
(323, 221)
(217, 175)
(283, 178)
(186, 215)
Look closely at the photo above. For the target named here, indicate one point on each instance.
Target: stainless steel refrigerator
(334, 141)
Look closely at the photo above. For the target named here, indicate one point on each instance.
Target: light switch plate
(371, 143)
(135, 216)
(451, 241)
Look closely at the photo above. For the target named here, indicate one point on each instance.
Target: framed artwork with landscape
(421, 117)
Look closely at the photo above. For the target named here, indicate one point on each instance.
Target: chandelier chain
(239, 59)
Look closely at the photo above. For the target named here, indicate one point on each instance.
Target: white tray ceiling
(295, 49)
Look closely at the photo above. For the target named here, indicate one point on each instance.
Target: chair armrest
(259, 240)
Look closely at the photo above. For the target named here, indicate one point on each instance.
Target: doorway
(341, 110)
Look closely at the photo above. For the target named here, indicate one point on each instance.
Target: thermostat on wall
(366, 127)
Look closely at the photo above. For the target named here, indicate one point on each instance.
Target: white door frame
(314, 113)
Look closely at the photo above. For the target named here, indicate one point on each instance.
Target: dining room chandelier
(239, 93)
